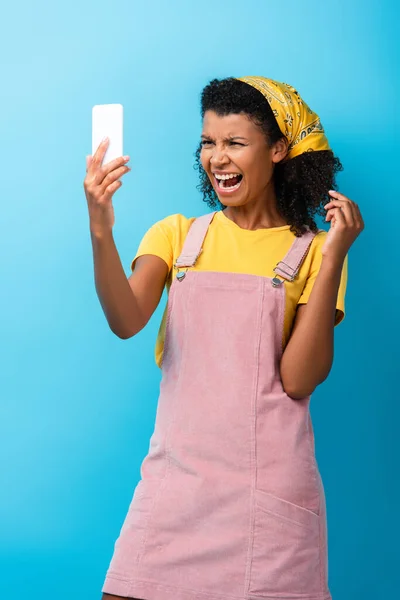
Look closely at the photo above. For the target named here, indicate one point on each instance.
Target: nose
(218, 158)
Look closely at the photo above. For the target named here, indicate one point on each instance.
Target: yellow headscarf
(296, 120)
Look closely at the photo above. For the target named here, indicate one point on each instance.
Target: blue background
(77, 403)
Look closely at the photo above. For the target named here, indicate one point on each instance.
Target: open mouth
(229, 185)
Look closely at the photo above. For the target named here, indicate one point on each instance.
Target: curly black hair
(301, 183)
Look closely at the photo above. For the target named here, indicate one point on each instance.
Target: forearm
(308, 356)
(115, 294)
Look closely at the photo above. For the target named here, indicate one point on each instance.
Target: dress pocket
(286, 550)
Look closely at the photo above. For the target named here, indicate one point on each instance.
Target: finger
(114, 175)
(330, 214)
(341, 197)
(342, 217)
(97, 170)
(101, 171)
(346, 206)
(337, 214)
(359, 219)
(88, 162)
(339, 202)
(99, 154)
(112, 188)
(337, 195)
(114, 164)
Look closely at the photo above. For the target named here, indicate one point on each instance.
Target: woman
(231, 503)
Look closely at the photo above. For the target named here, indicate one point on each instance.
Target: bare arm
(308, 356)
(128, 303)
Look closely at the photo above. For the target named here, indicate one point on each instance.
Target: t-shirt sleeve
(314, 270)
(157, 241)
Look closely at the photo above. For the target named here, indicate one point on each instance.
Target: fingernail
(105, 139)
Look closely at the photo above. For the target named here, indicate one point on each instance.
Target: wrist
(332, 263)
(100, 233)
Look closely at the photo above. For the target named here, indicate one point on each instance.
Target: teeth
(224, 177)
(222, 185)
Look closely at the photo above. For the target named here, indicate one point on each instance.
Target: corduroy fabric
(230, 504)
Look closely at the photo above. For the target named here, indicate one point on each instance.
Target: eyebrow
(233, 137)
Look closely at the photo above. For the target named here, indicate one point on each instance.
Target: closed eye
(210, 142)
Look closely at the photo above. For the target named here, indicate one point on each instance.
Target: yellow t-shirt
(229, 248)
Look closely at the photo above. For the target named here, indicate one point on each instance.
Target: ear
(279, 150)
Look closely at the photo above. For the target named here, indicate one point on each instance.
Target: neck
(255, 215)
(261, 213)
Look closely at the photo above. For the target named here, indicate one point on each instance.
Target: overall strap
(193, 244)
(290, 265)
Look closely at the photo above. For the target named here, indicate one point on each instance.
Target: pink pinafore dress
(230, 504)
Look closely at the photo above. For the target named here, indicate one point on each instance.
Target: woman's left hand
(346, 225)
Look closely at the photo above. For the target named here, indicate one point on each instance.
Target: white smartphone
(107, 120)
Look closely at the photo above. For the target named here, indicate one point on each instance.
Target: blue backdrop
(77, 403)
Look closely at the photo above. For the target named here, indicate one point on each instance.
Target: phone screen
(107, 121)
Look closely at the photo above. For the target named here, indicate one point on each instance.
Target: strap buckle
(292, 275)
(184, 265)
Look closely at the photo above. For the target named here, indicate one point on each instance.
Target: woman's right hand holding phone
(128, 303)
(100, 184)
